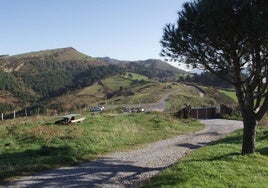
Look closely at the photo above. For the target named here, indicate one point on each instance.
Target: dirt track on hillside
(158, 106)
(128, 169)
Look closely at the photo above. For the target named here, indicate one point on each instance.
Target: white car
(97, 109)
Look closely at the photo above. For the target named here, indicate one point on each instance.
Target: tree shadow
(216, 157)
(105, 171)
(234, 139)
(193, 146)
(263, 136)
(263, 151)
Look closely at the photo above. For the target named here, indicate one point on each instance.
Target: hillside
(35, 79)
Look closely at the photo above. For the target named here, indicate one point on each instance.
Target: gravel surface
(128, 169)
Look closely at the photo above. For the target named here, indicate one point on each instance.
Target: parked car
(132, 110)
(97, 109)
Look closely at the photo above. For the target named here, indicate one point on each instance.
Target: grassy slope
(114, 83)
(190, 95)
(229, 93)
(220, 165)
(92, 95)
(35, 144)
(142, 92)
(133, 76)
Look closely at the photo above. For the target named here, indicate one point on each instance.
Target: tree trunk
(249, 121)
(249, 136)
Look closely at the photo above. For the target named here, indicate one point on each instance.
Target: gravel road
(129, 168)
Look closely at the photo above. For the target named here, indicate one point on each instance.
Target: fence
(25, 113)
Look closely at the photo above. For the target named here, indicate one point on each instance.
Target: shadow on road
(91, 174)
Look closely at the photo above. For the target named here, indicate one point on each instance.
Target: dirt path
(128, 169)
(159, 106)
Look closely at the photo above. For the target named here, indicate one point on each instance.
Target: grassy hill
(115, 89)
(36, 77)
(40, 78)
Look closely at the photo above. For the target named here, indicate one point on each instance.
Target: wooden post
(14, 114)
(2, 116)
(25, 111)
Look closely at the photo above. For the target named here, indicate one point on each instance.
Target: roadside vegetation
(220, 165)
(34, 144)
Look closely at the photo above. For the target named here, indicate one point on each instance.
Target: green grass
(133, 76)
(29, 145)
(115, 82)
(191, 96)
(91, 90)
(220, 165)
(229, 93)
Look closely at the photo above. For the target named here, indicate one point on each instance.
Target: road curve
(129, 168)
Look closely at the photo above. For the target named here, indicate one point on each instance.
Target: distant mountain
(156, 68)
(156, 64)
(111, 61)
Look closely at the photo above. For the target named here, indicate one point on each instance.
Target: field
(220, 165)
(34, 144)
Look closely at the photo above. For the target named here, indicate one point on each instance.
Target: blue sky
(120, 29)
